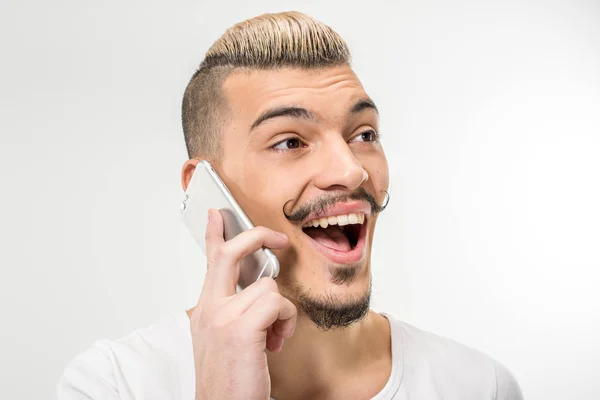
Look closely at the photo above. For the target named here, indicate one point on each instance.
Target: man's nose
(340, 169)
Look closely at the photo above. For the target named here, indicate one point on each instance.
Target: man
(278, 111)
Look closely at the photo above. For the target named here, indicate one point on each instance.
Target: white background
(491, 123)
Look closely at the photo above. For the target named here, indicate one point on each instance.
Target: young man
(278, 111)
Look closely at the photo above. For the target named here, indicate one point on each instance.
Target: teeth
(341, 220)
(352, 219)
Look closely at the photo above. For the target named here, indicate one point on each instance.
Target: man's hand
(230, 331)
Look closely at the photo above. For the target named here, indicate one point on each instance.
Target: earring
(386, 200)
(283, 208)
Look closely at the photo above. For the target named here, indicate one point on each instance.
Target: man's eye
(287, 144)
(368, 136)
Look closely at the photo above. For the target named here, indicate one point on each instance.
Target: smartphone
(206, 190)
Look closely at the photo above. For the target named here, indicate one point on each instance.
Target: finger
(282, 328)
(214, 237)
(268, 309)
(214, 233)
(225, 271)
(242, 301)
(274, 342)
(251, 240)
(237, 305)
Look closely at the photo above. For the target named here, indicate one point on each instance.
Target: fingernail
(210, 214)
(283, 235)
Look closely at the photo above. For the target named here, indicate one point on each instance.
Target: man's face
(308, 140)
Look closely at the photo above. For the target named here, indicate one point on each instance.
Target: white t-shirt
(157, 363)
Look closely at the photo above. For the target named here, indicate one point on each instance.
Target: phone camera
(183, 205)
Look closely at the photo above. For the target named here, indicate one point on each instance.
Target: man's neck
(317, 364)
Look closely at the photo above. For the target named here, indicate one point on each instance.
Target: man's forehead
(252, 92)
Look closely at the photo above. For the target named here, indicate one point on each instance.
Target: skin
(299, 159)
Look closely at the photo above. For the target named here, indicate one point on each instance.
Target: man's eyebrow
(292, 112)
(303, 113)
(363, 104)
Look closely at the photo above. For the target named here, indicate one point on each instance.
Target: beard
(329, 312)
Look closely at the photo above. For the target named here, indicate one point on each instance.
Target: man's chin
(346, 277)
(337, 308)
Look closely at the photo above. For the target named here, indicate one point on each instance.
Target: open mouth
(340, 238)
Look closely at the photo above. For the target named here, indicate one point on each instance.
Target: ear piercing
(386, 200)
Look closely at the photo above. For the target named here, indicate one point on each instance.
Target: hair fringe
(291, 39)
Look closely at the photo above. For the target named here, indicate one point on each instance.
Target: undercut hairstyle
(266, 42)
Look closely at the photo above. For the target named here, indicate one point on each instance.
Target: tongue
(331, 237)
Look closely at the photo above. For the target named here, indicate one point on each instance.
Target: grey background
(491, 123)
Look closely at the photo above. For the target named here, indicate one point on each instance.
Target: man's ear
(187, 171)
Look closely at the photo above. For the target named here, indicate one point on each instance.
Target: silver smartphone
(206, 190)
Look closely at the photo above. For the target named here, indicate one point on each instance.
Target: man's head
(277, 110)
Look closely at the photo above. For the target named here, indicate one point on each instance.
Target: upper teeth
(341, 220)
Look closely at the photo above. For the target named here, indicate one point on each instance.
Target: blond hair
(269, 41)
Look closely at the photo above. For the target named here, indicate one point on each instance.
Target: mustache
(320, 204)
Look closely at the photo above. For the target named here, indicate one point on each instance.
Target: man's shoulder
(449, 363)
(162, 350)
(431, 346)
(162, 340)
